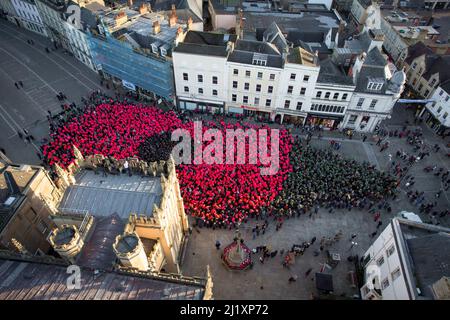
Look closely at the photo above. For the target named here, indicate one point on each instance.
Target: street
(43, 75)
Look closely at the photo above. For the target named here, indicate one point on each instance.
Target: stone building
(426, 70)
(140, 214)
(53, 279)
(28, 197)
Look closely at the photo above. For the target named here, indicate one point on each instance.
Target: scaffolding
(146, 71)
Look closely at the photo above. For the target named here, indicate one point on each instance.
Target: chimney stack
(143, 9)
(189, 23)
(173, 17)
(120, 18)
(156, 27)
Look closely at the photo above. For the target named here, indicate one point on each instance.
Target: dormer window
(259, 59)
(374, 85)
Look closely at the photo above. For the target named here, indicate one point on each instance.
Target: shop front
(235, 110)
(256, 113)
(328, 122)
(291, 117)
(434, 123)
(203, 107)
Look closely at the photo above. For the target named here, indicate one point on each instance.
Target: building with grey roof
(133, 47)
(27, 199)
(33, 278)
(376, 90)
(408, 261)
(143, 198)
(425, 69)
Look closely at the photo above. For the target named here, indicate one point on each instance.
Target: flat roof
(309, 21)
(104, 196)
(428, 258)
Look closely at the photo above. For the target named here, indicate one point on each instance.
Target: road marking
(8, 122)
(31, 70)
(68, 62)
(17, 124)
(32, 100)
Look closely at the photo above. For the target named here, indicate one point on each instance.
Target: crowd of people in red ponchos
(219, 194)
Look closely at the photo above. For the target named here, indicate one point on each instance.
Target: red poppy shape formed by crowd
(224, 194)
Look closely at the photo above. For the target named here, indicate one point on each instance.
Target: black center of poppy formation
(157, 147)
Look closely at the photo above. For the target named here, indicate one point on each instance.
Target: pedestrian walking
(364, 138)
(17, 86)
(308, 272)
(373, 234)
(21, 83)
(379, 224)
(313, 240)
(293, 278)
(353, 236)
(376, 216)
(217, 244)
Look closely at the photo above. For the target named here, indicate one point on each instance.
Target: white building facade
(272, 81)
(436, 113)
(8, 9)
(29, 16)
(51, 12)
(78, 44)
(332, 93)
(394, 43)
(376, 92)
(200, 81)
(393, 264)
(218, 73)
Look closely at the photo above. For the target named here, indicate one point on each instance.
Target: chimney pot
(143, 9)
(156, 27)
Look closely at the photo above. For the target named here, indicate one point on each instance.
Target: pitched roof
(375, 58)
(446, 86)
(245, 49)
(430, 263)
(365, 3)
(205, 43)
(104, 196)
(30, 280)
(416, 51)
(331, 73)
(366, 74)
(437, 64)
